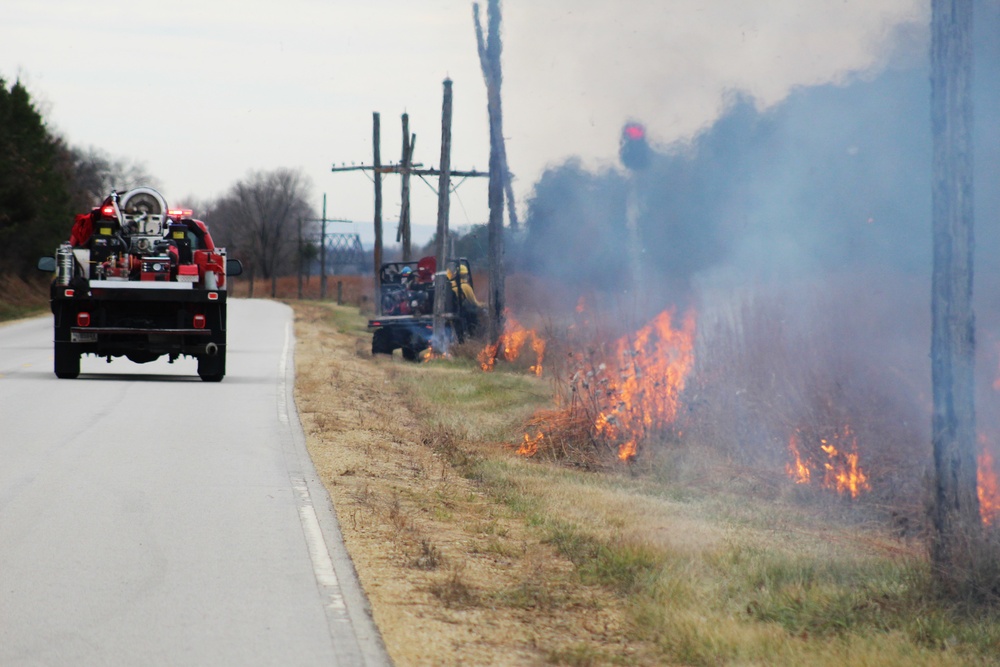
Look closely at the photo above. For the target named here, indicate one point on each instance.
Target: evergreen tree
(35, 183)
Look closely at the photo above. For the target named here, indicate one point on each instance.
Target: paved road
(149, 518)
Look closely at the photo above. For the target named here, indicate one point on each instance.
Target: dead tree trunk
(955, 513)
(489, 60)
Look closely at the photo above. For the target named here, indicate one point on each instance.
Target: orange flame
(428, 354)
(530, 445)
(797, 469)
(653, 366)
(988, 489)
(487, 357)
(841, 472)
(512, 340)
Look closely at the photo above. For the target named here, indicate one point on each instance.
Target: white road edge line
(322, 564)
(356, 638)
(282, 375)
(318, 553)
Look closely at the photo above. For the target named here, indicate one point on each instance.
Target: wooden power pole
(322, 254)
(377, 163)
(955, 513)
(439, 338)
(406, 168)
(403, 232)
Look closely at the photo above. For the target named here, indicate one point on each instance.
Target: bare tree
(490, 50)
(258, 219)
(97, 173)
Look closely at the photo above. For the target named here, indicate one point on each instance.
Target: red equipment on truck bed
(139, 280)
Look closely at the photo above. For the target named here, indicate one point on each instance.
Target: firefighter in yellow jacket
(469, 304)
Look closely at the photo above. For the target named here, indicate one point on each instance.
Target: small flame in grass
(511, 342)
(988, 489)
(487, 357)
(797, 469)
(429, 354)
(841, 472)
(538, 347)
(530, 445)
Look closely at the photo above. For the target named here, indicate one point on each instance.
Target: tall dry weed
(776, 373)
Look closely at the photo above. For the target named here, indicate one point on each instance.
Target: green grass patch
(627, 566)
(344, 319)
(10, 312)
(23, 298)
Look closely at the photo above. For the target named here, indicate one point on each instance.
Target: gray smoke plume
(816, 212)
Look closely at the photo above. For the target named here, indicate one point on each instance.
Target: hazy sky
(207, 90)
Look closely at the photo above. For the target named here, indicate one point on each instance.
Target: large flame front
(652, 367)
(622, 395)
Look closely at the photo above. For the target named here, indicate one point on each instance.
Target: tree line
(45, 181)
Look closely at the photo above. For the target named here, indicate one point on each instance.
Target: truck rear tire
(67, 361)
(381, 342)
(212, 368)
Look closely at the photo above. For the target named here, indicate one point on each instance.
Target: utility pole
(439, 340)
(300, 259)
(377, 162)
(322, 254)
(403, 232)
(406, 169)
(956, 542)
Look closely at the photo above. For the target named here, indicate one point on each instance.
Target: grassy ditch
(20, 298)
(684, 558)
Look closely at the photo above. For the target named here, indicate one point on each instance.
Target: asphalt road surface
(150, 518)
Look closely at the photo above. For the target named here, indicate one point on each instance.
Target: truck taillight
(213, 296)
(199, 322)
(83, 319)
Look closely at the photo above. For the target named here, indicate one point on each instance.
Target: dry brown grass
(453, 576)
